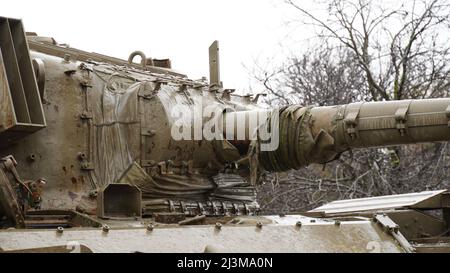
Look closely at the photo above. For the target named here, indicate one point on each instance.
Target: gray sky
(177, 29)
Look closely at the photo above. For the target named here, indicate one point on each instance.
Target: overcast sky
(177, 29)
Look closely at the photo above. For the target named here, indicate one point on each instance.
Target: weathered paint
(355, 236)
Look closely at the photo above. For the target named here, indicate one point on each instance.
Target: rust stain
(5, 105)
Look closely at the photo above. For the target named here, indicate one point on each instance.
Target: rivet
(218, 226)
(298, 224)
(259, 225)
(105, 228)
(150, 227)
(81, 155)
(67, 57)
(337, 223)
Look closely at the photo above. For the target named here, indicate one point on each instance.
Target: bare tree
(402, 50)
(368, 50)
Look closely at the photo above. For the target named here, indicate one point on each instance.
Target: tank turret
(88, 140)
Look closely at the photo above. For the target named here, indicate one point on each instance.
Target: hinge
(392, 228)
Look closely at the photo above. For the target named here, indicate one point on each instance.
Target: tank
(100, 154)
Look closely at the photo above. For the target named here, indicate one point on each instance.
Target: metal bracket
(214, 65)
(236, 209)
(247, 210)
(226, 93)
(188, 167)
(162, 167)
(183, 89)
(8, 195)
(387, 223)
(224, 208)
(169, 167)
(166, 167)
(201, 208)
(350, 119)
(183, 207)
(400, 117)
(391, 227)
(171, 206)
(159, 83)
(214, 207)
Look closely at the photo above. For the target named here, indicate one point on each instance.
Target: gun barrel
(320, 134)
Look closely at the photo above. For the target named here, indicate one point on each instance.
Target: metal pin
(218, 226)
(105, 228)
(60, 230)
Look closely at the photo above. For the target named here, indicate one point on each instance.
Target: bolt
(67, 57)
(60, 230)
(218, 225)
(32, 157)
(259, 225)
(150, 227)
(105, 228)
(81, 156)
(298, 224)
(337, 223)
